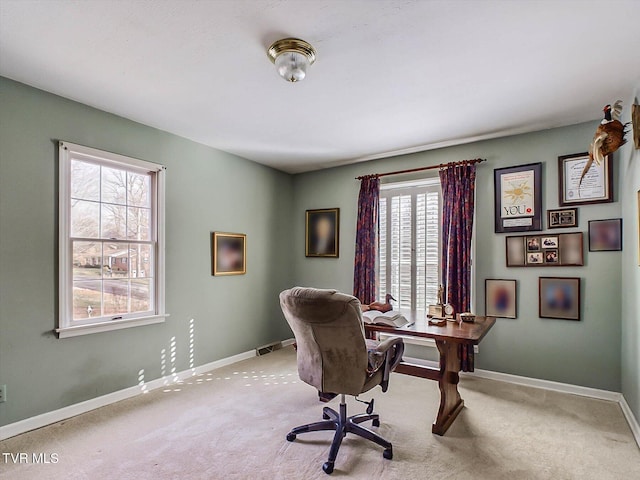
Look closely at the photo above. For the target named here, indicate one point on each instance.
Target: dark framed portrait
(322, 232)
(229, 253)
(559, 298)
(605, 235)
(518, 198)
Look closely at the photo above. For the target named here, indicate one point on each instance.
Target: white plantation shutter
(409, 253)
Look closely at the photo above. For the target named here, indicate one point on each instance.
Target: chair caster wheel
(388, 454)
(291, 437)
(328, 468)
(370, 409)
(376, 423)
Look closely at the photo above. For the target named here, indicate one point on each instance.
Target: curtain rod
(411, 170)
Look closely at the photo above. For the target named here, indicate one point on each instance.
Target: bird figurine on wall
(608, 138)
(382, 307)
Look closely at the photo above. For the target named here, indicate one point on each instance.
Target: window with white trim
(111, 240)
(410, 236)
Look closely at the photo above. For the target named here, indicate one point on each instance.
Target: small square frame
(562, 218)
(559, 297)
(605, 235)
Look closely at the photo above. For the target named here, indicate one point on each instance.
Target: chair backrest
(332, 352)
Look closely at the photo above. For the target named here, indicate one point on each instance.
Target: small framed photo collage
(518, 208)
(560, 250)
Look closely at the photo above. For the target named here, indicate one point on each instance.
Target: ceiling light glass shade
(292, 57)
(292, 66)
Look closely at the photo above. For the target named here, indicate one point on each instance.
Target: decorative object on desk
(559, 298)
(390, 319)
(562, 218)
(635, 118)
(437, 322)
(500, 298)
(382, 307)
(608, 138)
(467, 317)
(449, 312)
(605, 235)
(437, 310)
(229, 253)
(560, 250)
(595, 187)
(322, 228)
(518, 198)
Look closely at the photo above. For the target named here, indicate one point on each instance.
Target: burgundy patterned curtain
(364, 270)
(458, 185)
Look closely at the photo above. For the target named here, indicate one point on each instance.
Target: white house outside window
(111, 234)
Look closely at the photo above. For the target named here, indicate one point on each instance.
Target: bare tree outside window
(111, 220)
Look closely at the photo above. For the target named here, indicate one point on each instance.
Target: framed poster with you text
(518, 198)
(596, 186)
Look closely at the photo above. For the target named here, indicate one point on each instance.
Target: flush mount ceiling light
(292, 56)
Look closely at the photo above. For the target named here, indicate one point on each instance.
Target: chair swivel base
(343, 425)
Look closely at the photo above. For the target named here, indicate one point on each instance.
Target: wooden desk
(455, 342)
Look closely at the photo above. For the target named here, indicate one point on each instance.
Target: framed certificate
(518, 198)
(596, 186)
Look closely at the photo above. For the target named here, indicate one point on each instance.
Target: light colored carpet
(231, 424)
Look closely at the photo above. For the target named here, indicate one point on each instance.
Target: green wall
(211, 190)
(207, 190)
(583, 353)
(629, 186)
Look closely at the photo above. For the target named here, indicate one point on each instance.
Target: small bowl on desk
(438, 322)
(467, 317)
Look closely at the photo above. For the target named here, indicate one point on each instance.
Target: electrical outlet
(3, 393)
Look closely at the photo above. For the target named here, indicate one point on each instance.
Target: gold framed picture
(229, 253)
(322, 229)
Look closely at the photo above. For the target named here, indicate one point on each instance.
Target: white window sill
(109, 326)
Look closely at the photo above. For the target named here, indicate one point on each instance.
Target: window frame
(412, 188)
(67, 327)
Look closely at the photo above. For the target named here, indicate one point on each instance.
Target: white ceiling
(390, 77)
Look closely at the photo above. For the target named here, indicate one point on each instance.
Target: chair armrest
(385, 345)
(392, 350)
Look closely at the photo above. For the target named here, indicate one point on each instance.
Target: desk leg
(450, 401)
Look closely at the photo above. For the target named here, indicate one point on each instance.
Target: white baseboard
(631, 419)
(48, 418)
(616, 397)
(54, 416)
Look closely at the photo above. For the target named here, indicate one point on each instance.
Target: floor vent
(264, 349)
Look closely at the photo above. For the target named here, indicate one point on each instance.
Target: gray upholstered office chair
(335, 358)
